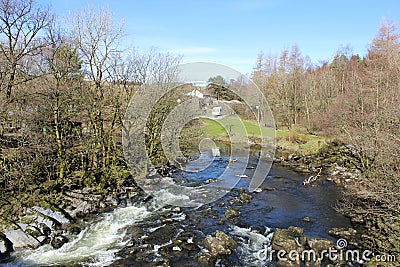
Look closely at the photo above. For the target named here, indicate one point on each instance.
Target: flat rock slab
(20, 239)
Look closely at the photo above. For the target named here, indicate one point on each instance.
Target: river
(283, 202)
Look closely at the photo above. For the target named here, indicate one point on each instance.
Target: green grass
(213, 128)
(290, 141)
(239, 127)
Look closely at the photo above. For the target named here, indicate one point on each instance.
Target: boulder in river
(218, 246)
(206, 259)
(58, 241)
(245, 197)
(20, 239)
(291, 239)
(6, 246)
(35, 228)
(215, 247)
(161, 235)
(269, 188)
(346, 233)
(258, 190)
(231, 213)
(221, 244)
(178, 253)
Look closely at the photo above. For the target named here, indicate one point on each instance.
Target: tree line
(355, 100)
(64, 87)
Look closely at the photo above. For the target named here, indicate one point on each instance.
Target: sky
(234, 32)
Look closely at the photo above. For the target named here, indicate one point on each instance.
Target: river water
(283, 202)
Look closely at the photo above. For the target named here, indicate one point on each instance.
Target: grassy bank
(293, 141)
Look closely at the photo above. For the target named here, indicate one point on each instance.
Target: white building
(216, 111)
(195, 93)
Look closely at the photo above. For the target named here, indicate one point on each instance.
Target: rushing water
(283, 202)
(94, 246)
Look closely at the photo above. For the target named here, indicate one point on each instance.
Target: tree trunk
(60, 148)
(11, 82)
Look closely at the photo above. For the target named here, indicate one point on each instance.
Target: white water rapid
(94, 246)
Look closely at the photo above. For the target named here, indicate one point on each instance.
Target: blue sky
(234, 32)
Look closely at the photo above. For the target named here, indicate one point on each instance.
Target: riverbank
(332, 160)
(175, 236)
(340, 163)
(162, 238)
(45, 225)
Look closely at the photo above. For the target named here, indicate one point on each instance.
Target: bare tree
(98, 38)
(62, 66)
(20, 26)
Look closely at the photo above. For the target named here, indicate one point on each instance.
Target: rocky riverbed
(235, 230)
(40, 226)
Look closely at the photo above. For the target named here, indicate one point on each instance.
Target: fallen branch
(312, 178)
